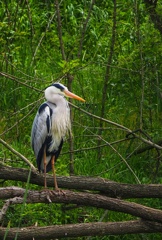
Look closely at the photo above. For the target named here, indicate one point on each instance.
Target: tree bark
(16, 196)
(80, 230)
(146, 148)
(151, 218)
(104, 186)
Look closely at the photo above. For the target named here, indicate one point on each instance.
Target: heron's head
(58, 88)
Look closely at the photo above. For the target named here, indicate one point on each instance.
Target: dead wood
(15, 196)
(80, 230)
(151, 218)
(104, 186)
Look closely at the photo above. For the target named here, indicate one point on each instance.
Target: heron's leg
(45, 165)
(54, 173)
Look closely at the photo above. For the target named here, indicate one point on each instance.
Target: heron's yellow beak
(72, 95)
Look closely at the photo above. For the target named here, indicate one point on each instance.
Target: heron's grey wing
(41, 128)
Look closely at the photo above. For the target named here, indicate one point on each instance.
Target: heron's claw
(47, 191)
(57, 192)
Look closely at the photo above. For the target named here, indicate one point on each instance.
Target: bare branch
(42, 37)
(59, 26)
(20, 120)
(30, 19)
(95, 147)
(146, 148)
(84, 199)
(109, 188)
(4, 210)
(107, 76)
(149, 142)
(84, 28)
(15, 200)
(124, 160)
(80, 230)
(17, 154)
(16, 80)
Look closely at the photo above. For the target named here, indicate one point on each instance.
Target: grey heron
(50, 125)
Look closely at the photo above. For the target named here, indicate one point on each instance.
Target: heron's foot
(48, 193)
(57, 191)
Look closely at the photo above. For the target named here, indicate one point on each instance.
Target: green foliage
(31, 59)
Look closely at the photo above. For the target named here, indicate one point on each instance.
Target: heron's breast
(60, 126)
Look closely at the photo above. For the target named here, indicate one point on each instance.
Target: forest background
(109, 53)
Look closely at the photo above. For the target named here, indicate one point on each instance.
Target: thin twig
(16, 80)
(14, 125)
(107, 74)
(95, 147)
(18, 154)
(59, 27)
(84, 28)
(119, 126)
(41, 39)
(123, 159)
